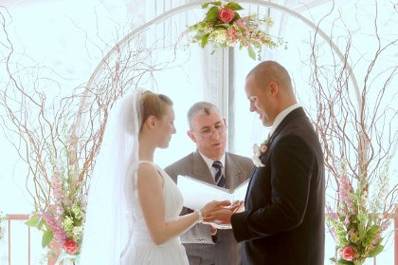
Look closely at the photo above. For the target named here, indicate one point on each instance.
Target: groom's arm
(291, 167)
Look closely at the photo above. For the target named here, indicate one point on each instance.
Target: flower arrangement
(58, 135)
(358, 147)
(258, 151)
(224, 27)
(357, 228)
(63, 218)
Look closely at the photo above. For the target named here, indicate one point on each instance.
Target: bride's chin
(164, 145)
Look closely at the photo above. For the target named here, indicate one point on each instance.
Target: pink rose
(226, 15)
(348, 253)
(70, 246)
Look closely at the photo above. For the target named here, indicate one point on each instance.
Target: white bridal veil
(109, 218)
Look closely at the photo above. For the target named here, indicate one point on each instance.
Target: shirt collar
(281, 116)
(209, 162)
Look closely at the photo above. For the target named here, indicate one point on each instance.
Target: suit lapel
(249, 186)
(292, 116)
(200, 169)
(233, 174)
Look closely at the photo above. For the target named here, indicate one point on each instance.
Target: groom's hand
(221, 216)
(237, 207)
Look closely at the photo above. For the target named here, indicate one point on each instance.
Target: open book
(197, 193)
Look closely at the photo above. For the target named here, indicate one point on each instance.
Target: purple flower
(53, 223)
(57, 188)
(345, 191)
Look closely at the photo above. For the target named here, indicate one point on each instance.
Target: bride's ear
(151, 122)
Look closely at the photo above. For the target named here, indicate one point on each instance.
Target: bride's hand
(213, 206)
(222, 215)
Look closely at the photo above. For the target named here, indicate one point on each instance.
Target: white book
(197, 193)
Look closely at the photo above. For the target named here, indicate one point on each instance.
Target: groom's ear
(191, 135)
(274, 88)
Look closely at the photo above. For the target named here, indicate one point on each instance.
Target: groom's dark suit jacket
(283, 223)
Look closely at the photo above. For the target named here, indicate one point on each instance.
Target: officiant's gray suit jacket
(200, 247)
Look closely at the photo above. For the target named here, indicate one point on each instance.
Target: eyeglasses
(208, 132)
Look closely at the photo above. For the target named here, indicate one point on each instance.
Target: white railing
(11, 218)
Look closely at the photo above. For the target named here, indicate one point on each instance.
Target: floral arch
(362, 152)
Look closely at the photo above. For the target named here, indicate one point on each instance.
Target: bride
(133, 206)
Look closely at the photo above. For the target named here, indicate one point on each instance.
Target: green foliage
(344, 262)
(33, 221)
(36, 221)
(204, 40)
(47, 237)
(234, 6)
(212, 14)
(251, 52)
(376, 251)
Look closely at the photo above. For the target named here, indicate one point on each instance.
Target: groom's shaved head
(268, 71)
(269, 90)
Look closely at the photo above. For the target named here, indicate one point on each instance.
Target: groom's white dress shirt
(281, 116)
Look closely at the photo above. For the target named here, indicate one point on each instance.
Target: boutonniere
(258, 151)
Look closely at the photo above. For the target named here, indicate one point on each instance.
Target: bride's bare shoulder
(148, 172)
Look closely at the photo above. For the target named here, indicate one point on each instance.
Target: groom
(282, 222)
(210, 163)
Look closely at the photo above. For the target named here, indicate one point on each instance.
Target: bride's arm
(150, 194)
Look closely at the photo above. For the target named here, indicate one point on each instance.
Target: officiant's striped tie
(219, 177)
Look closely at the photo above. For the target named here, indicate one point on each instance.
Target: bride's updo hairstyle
(153, 104)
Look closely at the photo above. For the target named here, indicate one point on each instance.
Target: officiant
(206, 245)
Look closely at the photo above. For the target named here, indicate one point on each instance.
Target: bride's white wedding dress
(142, 250)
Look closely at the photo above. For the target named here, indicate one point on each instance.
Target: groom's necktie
(219, 177)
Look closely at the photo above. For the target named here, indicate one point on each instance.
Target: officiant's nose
(217, 132)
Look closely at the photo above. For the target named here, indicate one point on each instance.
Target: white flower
(258, 150)
(219, 36)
